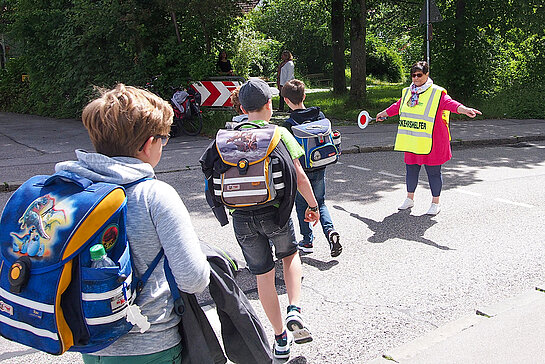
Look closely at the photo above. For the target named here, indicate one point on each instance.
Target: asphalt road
(401, 274)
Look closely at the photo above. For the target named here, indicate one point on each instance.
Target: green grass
(519, 104)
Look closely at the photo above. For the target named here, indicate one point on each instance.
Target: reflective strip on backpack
(107, 319)
(245, 193)
(323, 162)
(279, 186)
(237, 180)
(110, 294)
(39, 306)
(277, 174)
(24, 326)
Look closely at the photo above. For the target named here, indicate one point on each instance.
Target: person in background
(240, 116)
(293, 93)
(286, 70)
(224, 65)
(129, 128)
(423, 132)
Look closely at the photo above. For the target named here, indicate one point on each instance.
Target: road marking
(467, 192)
(514, 203)
(358, 167)
(390, 174)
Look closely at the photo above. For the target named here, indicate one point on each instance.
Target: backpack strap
(139, 282)
(291, 121)
(128, 185)
(179, 306)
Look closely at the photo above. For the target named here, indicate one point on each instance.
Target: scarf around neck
(415, 91)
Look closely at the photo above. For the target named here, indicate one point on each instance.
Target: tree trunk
(337, 40)
(176, 29)
(358, 87)
(207, 41)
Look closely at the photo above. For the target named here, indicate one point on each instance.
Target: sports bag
(50, 297)
(322, 146)
(253, 178)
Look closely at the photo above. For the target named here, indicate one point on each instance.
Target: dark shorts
(256, 231)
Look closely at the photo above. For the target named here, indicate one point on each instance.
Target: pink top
(440, 150)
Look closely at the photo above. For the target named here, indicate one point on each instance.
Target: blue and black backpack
(322, 145)
(50, 297)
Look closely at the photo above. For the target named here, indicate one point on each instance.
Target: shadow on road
(14, 354)
(400, 225)
(319, 264)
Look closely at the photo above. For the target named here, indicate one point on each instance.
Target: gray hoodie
(156, 217)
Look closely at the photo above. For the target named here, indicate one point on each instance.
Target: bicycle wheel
(192, 125)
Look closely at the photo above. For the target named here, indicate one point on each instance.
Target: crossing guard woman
(423, 132)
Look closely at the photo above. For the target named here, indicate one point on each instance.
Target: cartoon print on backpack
(37, 227)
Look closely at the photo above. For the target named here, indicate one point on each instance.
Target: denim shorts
(256, 231)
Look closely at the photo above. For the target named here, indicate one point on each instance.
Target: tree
(358, 86)
(338, 46)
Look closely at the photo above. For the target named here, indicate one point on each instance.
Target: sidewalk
(509, 332)
(31, 145)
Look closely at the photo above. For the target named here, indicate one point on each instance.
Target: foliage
(255, 54)
(13, 91)
(383, 62)
(69, 46)
(302, 27)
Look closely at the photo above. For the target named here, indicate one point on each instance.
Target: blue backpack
(322, 146)
(50, 297)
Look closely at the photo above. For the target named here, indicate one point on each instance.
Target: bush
(14, 93)
(382, 62)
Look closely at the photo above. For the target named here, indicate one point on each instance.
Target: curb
(454, 143)
(408, 351)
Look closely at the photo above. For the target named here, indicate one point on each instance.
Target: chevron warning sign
(215, 93)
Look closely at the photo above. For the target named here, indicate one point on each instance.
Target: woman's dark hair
(219, 55)
(420, 66)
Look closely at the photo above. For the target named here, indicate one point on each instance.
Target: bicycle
(187, 112)
(186, 104)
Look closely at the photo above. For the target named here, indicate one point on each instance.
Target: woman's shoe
(407, 204)
(435, 208)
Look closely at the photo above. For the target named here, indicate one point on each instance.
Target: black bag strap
(247, 123)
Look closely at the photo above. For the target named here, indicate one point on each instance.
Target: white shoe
(407, 204)
(435, 208)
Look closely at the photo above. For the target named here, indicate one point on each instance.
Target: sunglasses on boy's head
(417, 75)
(164, 140)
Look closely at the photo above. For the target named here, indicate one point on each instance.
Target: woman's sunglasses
(417, 75)
(164, 140)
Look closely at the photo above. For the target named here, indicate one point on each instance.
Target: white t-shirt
(287, 73)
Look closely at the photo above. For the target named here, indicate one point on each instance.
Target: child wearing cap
(256, 230)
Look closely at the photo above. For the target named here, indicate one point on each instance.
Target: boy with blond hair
(129, 128)
(293, 93)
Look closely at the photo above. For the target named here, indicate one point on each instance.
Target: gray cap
(253, 94)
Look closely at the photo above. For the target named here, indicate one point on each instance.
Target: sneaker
(407, 204)
(282, 347)
(435, 208)
(305, 247)
(334, 245)
(295, 324)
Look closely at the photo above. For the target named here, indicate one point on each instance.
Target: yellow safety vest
(415, 130)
